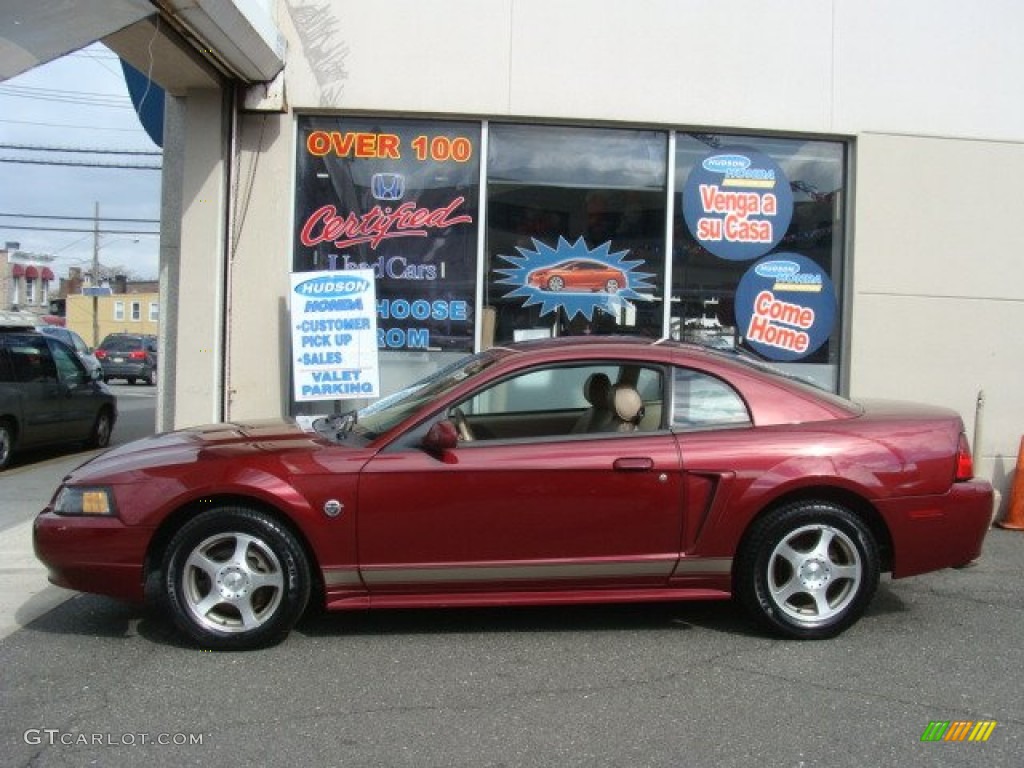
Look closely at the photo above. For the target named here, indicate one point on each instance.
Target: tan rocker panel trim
(381, 575)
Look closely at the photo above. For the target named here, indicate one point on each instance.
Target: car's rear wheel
(807, 570)
(99, 437)
(150, 378)
(556, 284)
(6, 443)
(235, 578)
(130, 379)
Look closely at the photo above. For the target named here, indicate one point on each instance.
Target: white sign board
(334, 335)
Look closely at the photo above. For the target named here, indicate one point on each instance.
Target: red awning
(31, 273)
(47, 273)
(17, 270)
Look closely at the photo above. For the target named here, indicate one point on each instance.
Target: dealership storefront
(483, 233)
(831, 187)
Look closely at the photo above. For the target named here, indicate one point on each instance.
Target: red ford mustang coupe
(552, 472)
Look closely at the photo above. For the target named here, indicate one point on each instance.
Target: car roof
(12, 319)
(764, 382)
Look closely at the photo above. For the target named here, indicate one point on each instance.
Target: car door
(79, 404)
(551, 511)
(36, 387)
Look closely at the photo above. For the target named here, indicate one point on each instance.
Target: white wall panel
(935, 67)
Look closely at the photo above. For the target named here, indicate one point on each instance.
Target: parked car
(578, 275)
(585, 469)
(47, 397)
(129, 356)
(76, 342)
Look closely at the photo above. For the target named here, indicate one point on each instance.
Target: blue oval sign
(776, 268)
(726, 163)
(333, 286)
(737, 203)
(785, 307)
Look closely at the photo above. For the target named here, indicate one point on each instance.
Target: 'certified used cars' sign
(334, 335)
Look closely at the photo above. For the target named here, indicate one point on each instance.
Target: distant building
(129, 307)
(26, 280)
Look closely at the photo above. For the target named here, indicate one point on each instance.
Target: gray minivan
(47, 397)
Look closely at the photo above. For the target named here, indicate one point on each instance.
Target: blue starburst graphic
(546, 276)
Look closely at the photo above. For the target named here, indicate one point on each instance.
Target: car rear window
(122, 344)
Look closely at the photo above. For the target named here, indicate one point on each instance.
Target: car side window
(69, 370)
(31, 360)
(599, 398)
(702, 401)
(80, 346)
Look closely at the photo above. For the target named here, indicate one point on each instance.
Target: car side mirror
(442, 438)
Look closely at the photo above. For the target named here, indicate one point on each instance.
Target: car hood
(210, 441)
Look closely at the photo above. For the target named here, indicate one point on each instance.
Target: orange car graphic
(578, 275)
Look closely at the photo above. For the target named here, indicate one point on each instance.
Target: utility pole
(95, 275)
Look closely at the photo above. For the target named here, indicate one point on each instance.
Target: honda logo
(387, 186)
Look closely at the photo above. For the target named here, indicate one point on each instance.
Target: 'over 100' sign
(334, 335)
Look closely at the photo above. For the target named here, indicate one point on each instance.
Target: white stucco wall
(938, 281)
(927, 91)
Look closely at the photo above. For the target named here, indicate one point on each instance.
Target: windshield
(378, 418)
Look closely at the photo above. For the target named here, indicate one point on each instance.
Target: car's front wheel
(807, 570)
(99, 437)
(6, 443)
(235, 578)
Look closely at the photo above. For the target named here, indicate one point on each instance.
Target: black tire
(130, 379)
(235, 579)
(150, 378)
(6, 443)
(99, 437)
(807, 570)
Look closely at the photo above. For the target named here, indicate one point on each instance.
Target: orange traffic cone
(1014, 519)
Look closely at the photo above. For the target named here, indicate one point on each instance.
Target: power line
(125, 166)
(86, 150)
(90, 230)
(31, 90)
(69, 125)
(77, 218)
(66, 97)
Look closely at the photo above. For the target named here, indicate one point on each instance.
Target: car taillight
(964, 462)
(100, 354)
(138, 354)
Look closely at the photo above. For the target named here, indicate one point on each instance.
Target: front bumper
(92, 554)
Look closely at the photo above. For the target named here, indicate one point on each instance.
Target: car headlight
(84, 500)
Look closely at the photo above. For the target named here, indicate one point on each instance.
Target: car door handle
(636, 464)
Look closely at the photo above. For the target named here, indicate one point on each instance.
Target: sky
(79, 101)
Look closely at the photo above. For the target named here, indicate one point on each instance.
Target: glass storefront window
(398, 197)
(796, 274)
(578, 236)
(575, 231)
